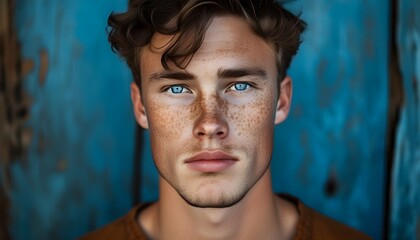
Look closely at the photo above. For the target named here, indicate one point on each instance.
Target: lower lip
(211, 165)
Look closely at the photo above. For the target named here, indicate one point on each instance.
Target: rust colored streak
(43, 69)
(14, 108)
(62, 165)
(27, 67)
(7, 75)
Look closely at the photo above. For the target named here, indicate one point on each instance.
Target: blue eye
(240, 86)
(176, 89)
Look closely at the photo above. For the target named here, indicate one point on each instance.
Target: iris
(177, 89)
(241, 86)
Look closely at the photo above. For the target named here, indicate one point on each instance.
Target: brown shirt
(312, 225)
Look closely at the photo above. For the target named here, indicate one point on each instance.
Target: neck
(259, 215)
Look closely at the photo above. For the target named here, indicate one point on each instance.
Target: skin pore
(227, 100)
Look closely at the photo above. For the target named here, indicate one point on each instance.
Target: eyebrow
(172, 75)
(242, 72)
(221, 73)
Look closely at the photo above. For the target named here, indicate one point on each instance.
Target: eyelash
(234, 86)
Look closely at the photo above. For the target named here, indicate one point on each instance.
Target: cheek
(253, 124)
(166, 122)
(254, 120)
(167, 125)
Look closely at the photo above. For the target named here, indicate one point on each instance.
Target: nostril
(210, 127)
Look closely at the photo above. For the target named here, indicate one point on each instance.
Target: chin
(222, 201)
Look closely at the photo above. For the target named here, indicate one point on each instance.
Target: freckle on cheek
(166, 122)
(254, 118)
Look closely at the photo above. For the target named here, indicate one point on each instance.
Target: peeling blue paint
(77, 174)
(338, 121)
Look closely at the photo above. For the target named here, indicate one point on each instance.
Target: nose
(211, 122)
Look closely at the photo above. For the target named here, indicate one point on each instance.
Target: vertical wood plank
(77, 173)
(405, 192)
(331, 150)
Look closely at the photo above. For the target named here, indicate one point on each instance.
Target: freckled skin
(212, 116)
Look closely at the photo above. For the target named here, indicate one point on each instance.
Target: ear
(138, 106)
(284, 101)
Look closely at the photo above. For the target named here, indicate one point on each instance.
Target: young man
(210, 84)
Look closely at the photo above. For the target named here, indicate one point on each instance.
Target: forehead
(228, 38)
(231, 34)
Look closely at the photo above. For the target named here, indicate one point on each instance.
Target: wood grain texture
(331, 150)
(14, 105)
(77, 173)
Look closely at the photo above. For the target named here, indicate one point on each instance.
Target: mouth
(214, 161)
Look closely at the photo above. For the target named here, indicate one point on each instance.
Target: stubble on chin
(212, 199)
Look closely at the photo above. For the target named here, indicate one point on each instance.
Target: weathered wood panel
(77, 173)
(331, 151)
(405, 191)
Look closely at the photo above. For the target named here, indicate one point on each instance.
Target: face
(211, 125)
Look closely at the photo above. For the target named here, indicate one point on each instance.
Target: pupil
(240, 86)
(177, 89)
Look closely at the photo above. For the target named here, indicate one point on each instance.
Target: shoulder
(114, 230)
(324, 227)
(123, 228)
(316, 226)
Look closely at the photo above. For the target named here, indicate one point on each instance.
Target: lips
(215, 161)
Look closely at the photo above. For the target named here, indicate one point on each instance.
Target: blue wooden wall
(405, 188)
(331, 151)
(78, 172)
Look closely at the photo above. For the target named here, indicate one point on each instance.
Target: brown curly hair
(130, 31)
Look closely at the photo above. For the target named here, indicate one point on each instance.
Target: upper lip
(211, 155)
